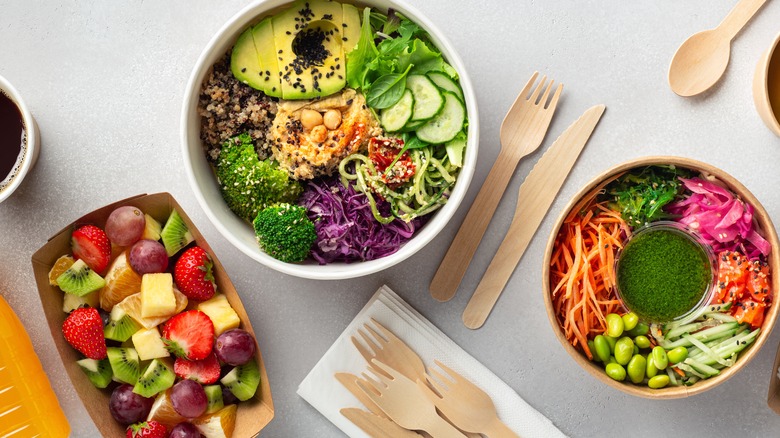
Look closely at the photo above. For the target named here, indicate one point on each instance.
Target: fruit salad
(145, 313)
(347, 122)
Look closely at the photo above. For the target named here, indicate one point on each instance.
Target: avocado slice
(309, 49)
(263, 35)
(244, 62)
(350, 27)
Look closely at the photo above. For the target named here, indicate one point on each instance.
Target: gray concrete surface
(105, 82)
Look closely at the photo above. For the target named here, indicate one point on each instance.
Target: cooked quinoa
(229, 107)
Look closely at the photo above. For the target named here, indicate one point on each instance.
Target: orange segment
(132, 306)
(220, 424)
(60, 266)
(163, 412)
(121, 282)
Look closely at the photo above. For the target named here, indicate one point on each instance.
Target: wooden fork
(402, 401)
(464, 404)
(522, 131)
(388, 348)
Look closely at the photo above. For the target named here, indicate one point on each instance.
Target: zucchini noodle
(428, 190)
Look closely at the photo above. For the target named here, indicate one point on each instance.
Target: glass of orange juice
(28, 406)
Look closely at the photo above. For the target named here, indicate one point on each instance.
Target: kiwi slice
(72, 302)
(120, 325)
(98, 371)
(125, 364)
(157, 377)
(214, 397)
(175, 234)
(243, 380)
(80, 280)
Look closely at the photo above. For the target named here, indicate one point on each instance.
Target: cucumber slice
(411, 126)
(428, 100)
(393, 119)
(446, 83)
(455, 148)
(445, 126)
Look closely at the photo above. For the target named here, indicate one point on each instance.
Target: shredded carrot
(582, 270)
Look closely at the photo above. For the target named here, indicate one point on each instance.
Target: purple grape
(148, 257)
(128, 407)
(228, 398)
(189, 399)
(105, 316)
(125, 225)
(235, 347)
(184, 430)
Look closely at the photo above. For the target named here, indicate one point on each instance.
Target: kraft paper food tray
(252, 415)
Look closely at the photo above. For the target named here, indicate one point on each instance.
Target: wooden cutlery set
(522, 132)
(403, 396)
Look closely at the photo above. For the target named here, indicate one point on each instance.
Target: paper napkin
(321, 389)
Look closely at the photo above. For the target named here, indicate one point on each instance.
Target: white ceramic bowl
(33, 147)
(239, 232)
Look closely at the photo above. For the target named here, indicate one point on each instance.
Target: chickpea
(310, 118)
(319, 133)
(332, 119)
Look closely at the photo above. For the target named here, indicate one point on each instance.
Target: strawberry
(83, 329)
(204, 371)
(91, 244)
(193, 274)
(189, 335)
(147, 429)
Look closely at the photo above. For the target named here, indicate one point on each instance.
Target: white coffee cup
(32, 145)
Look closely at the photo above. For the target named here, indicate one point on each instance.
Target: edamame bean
(624, 349)
(611, 341)
(660, 359)
(636, 349)
(677, 355)
(651, 371)
(637, 368)
(616, 371)
(658, 381)
(640, 329)
(611, 360)
(641, 341)
(602, 348)
(614, 325)
(630, 320)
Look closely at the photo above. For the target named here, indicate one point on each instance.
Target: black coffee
(12, 139)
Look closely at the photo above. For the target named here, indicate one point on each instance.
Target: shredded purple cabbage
(724, 221)
(346, 228)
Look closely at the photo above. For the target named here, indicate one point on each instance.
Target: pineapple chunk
(157, 297)
(222, 315)
(148, 344)
(152, 229)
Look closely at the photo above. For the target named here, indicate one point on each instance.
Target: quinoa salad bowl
(329, 139)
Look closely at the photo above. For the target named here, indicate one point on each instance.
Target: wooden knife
(376, 426)
(534, 199)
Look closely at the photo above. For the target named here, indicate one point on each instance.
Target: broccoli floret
(285, 232)
(249, 185)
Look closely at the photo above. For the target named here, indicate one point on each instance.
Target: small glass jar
(629, 296)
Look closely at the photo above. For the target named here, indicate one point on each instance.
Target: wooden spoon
(701, 60)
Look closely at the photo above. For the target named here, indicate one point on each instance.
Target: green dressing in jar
(663, 273)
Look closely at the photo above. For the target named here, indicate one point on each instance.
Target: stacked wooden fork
(401, 397)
